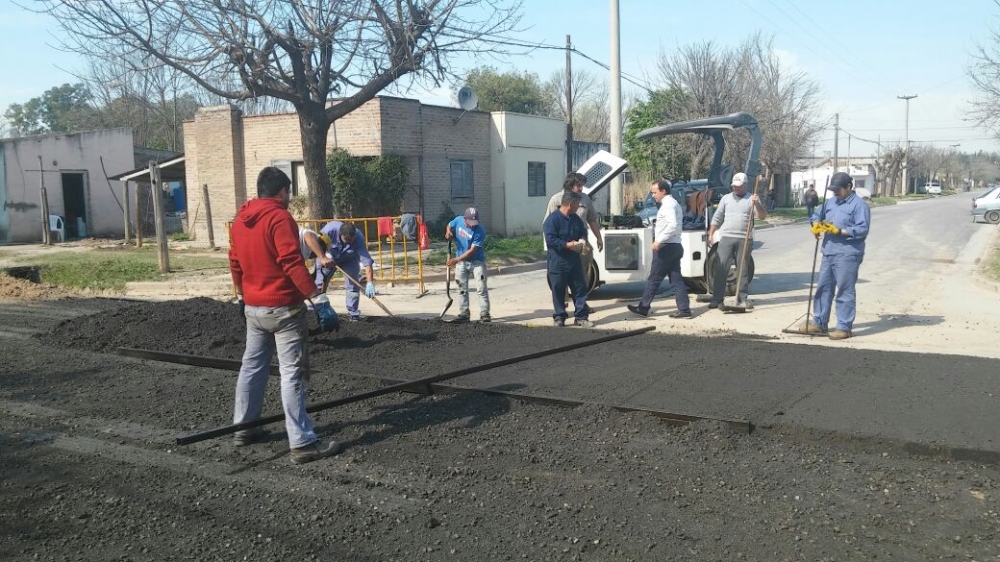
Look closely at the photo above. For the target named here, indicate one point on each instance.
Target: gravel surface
(90, 472)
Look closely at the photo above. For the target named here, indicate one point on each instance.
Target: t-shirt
(586, 212)
(342, 253)
(304, 248)
(468, 236)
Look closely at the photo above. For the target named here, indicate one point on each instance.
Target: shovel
(355, 281)
(447, 280)
(736, 305)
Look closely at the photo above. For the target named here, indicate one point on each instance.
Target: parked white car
(933, 188)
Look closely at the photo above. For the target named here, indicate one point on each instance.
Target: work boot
(636, 309)
(810, 327)
(356, 318)
(715, 304)
(315, 451)
(462, 317)
(249, 436)
(583, 323)
(559, 322)
(681, 314)
(839, 334)
(485, 317)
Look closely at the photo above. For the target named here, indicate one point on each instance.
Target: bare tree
(985, 75)
(585, 85)
(305, 52)
(747, 78)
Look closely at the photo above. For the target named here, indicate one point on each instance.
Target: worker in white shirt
(667, 254)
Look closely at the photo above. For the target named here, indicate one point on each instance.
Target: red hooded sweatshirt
(264, 256)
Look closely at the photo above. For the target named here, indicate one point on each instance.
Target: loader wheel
(710, 268)
(992, 217)
(593, 280)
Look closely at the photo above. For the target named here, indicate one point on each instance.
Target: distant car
(987, 206)
(933, 188)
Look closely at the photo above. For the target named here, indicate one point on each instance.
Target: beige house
(77, 168)
(453, 155)
(528, 167)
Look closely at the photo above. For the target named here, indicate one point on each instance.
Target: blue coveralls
(842, 257)
(350, 258)
(564, 266)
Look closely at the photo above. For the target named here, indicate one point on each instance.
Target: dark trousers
(667, 263)
(809, 210)
(568, 273)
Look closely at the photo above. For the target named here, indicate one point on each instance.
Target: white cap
(740, 179)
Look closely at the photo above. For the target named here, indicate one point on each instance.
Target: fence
(398, 258)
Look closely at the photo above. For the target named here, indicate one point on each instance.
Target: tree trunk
(313, 127)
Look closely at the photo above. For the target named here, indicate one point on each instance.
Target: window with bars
(461, 179)
(536, 179)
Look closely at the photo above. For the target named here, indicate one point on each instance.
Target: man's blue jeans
(283, 330)
(352, 294)
(837, 273)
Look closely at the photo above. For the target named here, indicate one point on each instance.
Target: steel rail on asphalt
(219, 363)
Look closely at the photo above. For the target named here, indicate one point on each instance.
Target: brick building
(451, 156)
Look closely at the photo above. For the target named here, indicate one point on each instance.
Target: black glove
(243, 309)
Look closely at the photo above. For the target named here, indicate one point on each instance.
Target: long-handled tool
(447, 281)
(360, 286)
(737, 305)
(796, 327)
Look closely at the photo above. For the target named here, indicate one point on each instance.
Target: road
(918, 288)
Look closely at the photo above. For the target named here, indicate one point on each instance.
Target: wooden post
(208, 215)
(161, 230)
(46, 233)
(140, 218)
(128, 215)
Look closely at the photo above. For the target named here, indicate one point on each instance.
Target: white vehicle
(628, 239)
(933, 188)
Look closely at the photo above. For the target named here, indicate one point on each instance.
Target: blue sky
(862, 54)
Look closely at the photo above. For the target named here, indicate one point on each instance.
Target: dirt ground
(90, 471)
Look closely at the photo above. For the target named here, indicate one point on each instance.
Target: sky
(861, 53)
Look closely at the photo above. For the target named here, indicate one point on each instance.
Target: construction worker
(730, 221)
(313, 245)
(272, 280)
(565, 238)
(470, 257)
(587, 212)
(843, 251)
(348, 252)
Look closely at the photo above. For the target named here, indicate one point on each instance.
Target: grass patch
(884, 200)
(993, 268)
(180, 237)
(104, 270)
(500, 250)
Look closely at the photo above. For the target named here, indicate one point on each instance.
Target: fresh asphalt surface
(922, 369)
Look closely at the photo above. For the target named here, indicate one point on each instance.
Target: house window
(536, 179)
(461, 179)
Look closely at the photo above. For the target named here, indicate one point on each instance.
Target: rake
(794, 327)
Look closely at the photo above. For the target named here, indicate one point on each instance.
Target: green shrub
(367, 186)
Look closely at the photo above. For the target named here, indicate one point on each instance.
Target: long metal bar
(226, 430)
(675, 418)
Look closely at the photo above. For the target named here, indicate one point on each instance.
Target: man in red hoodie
(273, 282)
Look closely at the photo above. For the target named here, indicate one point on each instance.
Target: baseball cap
(471, 216)
(840, 179)
(740, 179)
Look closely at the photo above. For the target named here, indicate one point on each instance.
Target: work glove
(328, 320)
(370, 291)
(584, 248)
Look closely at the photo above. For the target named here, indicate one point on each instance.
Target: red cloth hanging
(384, 226)
(425, 240)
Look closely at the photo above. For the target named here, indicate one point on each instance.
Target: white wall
(69, 153)
(517, 140)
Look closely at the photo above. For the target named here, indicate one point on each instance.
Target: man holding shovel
(731, 222)
(846, 219)
(469, 261)
(348, 251)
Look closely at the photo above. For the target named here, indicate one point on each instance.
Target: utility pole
(43, 195)
(836, 141)
(848, 153)
(906, 141)
(616, 107)
(569, 106)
